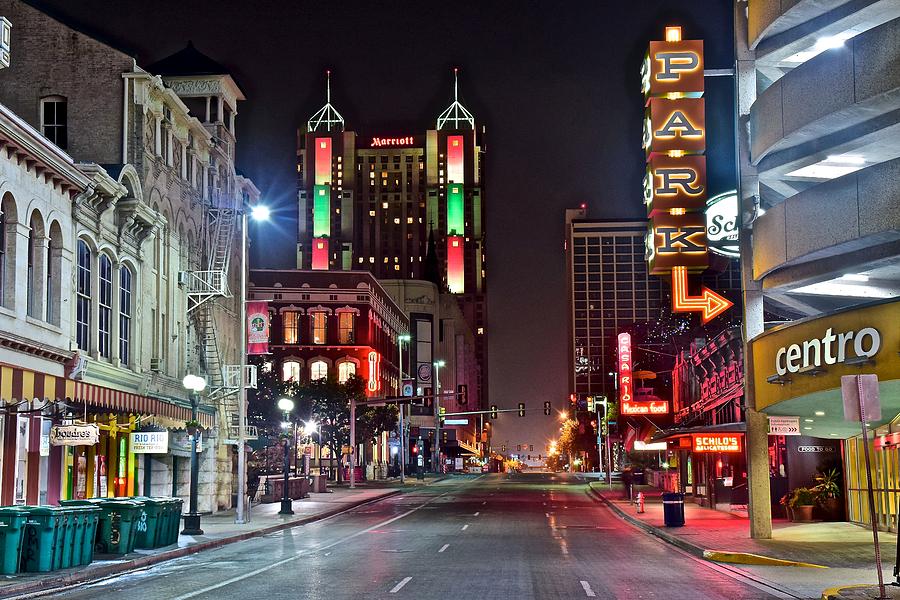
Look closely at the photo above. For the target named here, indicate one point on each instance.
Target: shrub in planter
(802, 502)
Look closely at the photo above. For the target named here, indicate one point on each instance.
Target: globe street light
(286, 405)
(257, 212)
(194, 385)
(437, 414)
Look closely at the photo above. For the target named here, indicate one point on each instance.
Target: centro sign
(830, 349)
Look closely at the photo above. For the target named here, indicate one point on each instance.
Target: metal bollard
(640, 502)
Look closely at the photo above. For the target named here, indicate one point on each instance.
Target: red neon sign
(716, 442)
(647, 407)
(625, 389)
(374, 374)
(709, 303)
(378, 142)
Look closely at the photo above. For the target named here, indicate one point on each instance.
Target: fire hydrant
(640, 502)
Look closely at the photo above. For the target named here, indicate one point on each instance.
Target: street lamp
(605, 404)
(258, 212)
(286, 405)
(437, 414)
(194, 384)
(309, 427)
(400, 340)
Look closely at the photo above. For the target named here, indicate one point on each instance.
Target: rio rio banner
(257, 328)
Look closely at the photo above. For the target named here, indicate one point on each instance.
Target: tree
(330, 407)
(372, 421)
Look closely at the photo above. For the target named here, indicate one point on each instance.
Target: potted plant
(802, 502)
(192, 426)
(828, 491)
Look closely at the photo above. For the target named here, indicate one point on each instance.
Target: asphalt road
(493, 537)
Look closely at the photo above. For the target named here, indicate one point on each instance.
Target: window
(290, 371)
(125, 315)
(105, 314)
(345, 327)
(318, 322)
(290, 322)
(30, 299)
(318, 370)
(54, 120)
(2, 256)
(83, 297)
(345, 370)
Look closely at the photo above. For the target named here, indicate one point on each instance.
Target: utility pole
(436, 451)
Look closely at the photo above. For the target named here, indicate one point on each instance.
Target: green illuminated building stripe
(455, 210)
(321, 211)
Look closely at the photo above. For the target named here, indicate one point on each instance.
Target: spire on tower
(327, 116)
(456, 112)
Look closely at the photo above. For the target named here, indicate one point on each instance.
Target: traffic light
(493, 411)
(590, 403)
(463, 394)
(415, 449)
(547, 408)
(521, 409)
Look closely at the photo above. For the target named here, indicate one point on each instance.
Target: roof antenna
(456, 113)
(327, 116)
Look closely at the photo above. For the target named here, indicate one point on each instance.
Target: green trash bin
(149, 527)
(175, 506)
(117, 535)
(71, 509)
(92, 518)
(12, 524)
(40, 543)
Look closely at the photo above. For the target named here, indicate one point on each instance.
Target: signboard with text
(74, 435)
(149, 442)
(784, 425)
(625, 368)
(645, 407)
(716, 442)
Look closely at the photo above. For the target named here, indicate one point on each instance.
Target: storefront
(798, 370)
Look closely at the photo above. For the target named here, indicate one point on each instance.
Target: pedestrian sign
(784, 425)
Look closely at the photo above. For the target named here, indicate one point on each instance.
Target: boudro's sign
(149, 442)
(74, 435)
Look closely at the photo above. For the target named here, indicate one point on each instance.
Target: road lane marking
(477, 513)
(587, 590)
(464, 527)
(483, 503)
(444, 547)
(304, 553)
(400, 585)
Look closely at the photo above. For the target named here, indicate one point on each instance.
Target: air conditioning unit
(182, 278)
(156, 365)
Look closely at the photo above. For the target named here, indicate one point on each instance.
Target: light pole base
(192, 524)
(286, 507)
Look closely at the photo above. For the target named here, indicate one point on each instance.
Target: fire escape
(204, 288)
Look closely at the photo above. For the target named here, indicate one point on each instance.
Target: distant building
(372, 201)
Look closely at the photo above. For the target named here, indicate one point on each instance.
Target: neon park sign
(705, 442)
(379, 142)
(645, 407)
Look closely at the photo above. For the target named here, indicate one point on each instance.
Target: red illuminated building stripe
(320, 254)
(323, 161)
(456, 274)
(455, 168)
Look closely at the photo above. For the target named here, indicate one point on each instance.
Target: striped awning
(22, 385)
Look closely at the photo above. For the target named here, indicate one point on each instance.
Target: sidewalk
(219, 529)
(844, 548)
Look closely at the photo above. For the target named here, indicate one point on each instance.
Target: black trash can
(673, 509)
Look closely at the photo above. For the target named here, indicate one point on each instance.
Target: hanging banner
(74, 435)
(257, 328)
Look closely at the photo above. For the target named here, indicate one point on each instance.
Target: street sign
(861, 398)
(456, 421)
(784, 425)
(409, 388)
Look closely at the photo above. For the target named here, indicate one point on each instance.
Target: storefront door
(885, 482)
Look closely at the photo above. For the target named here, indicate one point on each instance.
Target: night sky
(556, 84)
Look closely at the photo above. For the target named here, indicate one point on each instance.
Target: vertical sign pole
(352, 443)
(865, 436)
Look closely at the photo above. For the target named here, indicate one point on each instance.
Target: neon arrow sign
(710, 304)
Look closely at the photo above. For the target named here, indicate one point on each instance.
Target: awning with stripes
(20, 385)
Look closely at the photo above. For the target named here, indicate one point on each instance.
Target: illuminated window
(371, 213)
(290, 371)
(396, 220)
(318, 324)
(384, 205)
(346, 328)
(345, 370)
(290, 321)
(396, 267)
(409, 219)
(318, 370)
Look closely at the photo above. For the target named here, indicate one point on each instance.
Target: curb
(102, 572)
(744, 558)
(836, 593)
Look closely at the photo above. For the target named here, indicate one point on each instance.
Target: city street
(490, 537)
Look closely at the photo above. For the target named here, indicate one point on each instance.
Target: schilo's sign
(722, 225)
(74, 435)
(674, 141)
(709, 442)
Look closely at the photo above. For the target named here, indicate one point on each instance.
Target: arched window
(54, 273)
(125, 315)
(83, 297)
(2, 254)
(30, 292)
(105, 313)
(290, 371)
(8, 220)
(318, 370)
(345, 370)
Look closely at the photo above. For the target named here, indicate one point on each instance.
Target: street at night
(497, 537)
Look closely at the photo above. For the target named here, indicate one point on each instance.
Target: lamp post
(309, 427)
(286, 405)
(400, 340)
(258, 212)
(194, 385)
(605, 404)
(437, 414)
